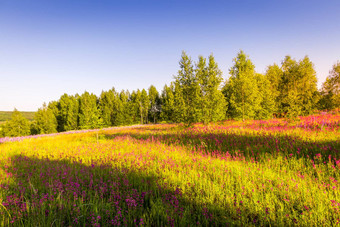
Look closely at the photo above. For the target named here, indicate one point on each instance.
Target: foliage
(124, 110)
(108, 105)
(144, 106)
(266, 96)
(155, 104)
(44, 121)
(6, 115)
(299, 93)
(187, 92)
(196, 95)
(17, 126)
(274, 74)
(168, 103)
(88, 111)
(241, 89)
(68, 110)
(330, 92)
(212, 102)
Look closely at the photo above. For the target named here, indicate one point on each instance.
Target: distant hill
(6, 115)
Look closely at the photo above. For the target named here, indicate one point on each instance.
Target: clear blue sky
(48, 48)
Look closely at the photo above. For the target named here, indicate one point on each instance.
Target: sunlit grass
(243, 173)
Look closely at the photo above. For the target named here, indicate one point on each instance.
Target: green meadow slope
(6, 115)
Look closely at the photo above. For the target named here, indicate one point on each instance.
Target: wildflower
(318, 156)
(267, 210)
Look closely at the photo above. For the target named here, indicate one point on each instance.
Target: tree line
(197, 94)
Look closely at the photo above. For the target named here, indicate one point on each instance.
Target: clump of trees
(289, 90)
(197, 94)
(330, 92)
(44, 121)
(242, 89)
(17, 126)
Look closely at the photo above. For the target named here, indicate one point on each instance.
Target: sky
(52, 47)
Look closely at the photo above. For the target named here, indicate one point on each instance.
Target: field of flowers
(274, 172)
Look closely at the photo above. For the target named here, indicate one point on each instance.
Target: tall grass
(233, 173)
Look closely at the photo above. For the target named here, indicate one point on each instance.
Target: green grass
(233, 173)
(6, 115)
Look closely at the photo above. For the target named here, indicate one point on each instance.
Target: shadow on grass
(43, 192)
(252, 146)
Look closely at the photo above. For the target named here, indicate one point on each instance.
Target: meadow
(276, 172)
(6, 115)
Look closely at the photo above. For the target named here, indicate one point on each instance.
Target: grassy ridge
(253, 173)
(6, 115)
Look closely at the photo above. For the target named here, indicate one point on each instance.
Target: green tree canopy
(44, 121)
(212, 102)
(125, 113)
(187, 92)
(145, 103)
(88, 111)
(330, 92)
(17, 126)
(241, 89)
(274, 76)
(154, 106)
(266, 96)
(108, 105)
(168, 103)
(68, 112)
(298, 87)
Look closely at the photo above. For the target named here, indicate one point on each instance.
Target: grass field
(273, 172)
(6, 115)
